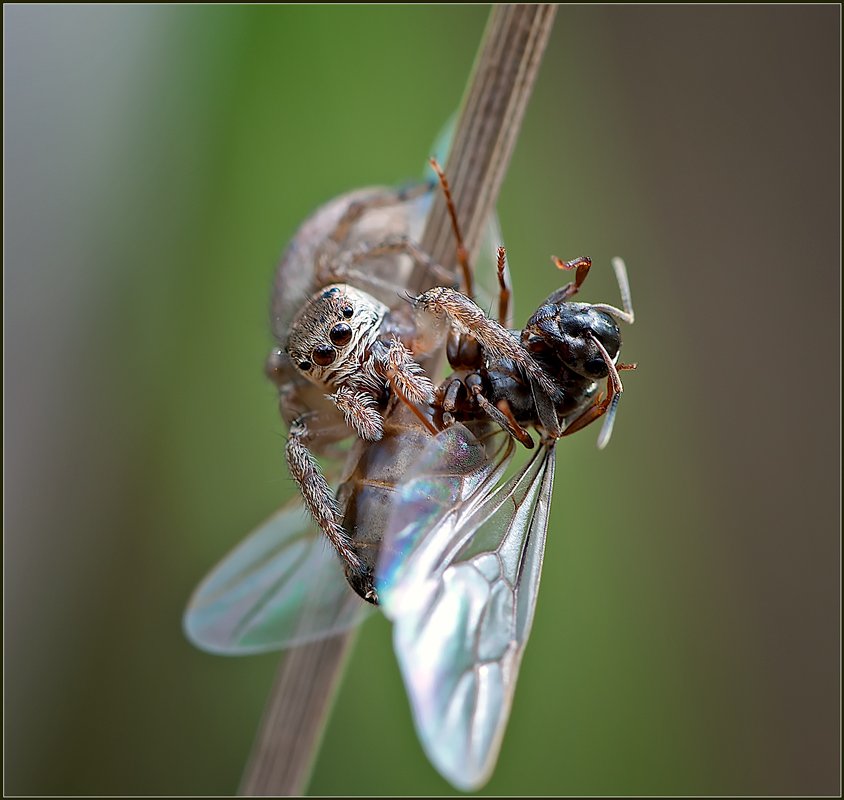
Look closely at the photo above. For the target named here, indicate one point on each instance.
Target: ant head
(568, 333)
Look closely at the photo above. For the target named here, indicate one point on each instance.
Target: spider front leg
(408, 380)
(317, 494)
(467, 317)
(360, 412)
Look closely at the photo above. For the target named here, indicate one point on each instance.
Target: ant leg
(503, 291)
(468, 318)
(449, 396)
(593, 412)
(316, 492)
(500, 414)
(462, 254)
(582, 265)
(600, 407)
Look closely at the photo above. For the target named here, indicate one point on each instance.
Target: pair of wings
(458, 576)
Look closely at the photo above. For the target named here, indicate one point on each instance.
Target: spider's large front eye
(323, 354)
(340, 334)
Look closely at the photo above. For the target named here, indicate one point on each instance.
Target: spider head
(331, 333)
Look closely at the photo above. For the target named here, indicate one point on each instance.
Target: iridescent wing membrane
(281, 586)
(459, 576)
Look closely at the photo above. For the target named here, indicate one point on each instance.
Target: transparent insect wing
(281, 586)
(459, 578)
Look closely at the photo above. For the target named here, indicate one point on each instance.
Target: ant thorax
(331, 337)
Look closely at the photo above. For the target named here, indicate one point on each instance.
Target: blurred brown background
(157, 159)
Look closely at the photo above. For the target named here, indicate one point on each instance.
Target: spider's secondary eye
(304, 365)
(348, 311)
(340, 334)
(323, 354)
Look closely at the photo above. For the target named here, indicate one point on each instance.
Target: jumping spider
(343, 353)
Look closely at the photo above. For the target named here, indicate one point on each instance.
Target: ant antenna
(614, 391)
(624, 288)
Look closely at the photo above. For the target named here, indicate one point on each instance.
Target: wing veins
(548, 452)
(260, 606)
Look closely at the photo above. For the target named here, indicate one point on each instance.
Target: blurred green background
(157, 160)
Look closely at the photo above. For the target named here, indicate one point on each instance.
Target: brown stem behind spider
(490, 118)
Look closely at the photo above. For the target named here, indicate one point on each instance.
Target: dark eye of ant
(348, 311)
(304, 365)
(596, 366)
(323, 354)
(340, 334)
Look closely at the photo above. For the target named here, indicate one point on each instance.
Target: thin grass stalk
(488, 125)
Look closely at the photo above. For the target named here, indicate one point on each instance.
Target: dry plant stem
(294, 717)
(490, 117)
